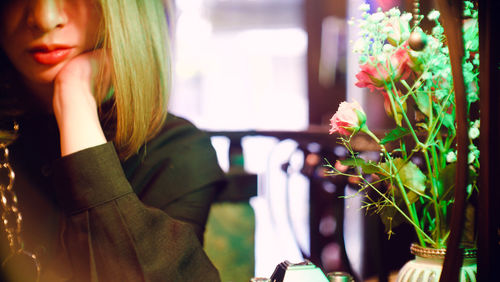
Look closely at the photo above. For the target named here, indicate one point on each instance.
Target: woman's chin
(43, 77)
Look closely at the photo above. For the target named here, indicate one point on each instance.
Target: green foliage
(412, 178)
(446, 183)
(423, 102)
(395, 134)
(391, 217)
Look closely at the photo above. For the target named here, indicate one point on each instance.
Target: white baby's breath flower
(433, 15)
(469, 45)
(473, 133)
(386, 29)
(471, 157)
(359, 46)
(476, 124)
(437, 30)
(426, 75)
(451, 157)
(394, 12)
(433, 43)
(382, 57)
(473, 153)
(406, 17)
(405, 34)
(441, 93)
(377, 17)
(378, 44)
(388, 48)
(476, 59)
(364, 7)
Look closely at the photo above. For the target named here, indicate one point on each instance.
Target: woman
(110, 186)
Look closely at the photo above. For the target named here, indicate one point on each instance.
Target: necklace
(11, 215)
(418, 39)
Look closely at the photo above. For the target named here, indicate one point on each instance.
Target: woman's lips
(50, 57)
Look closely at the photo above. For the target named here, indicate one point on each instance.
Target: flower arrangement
(413, 179)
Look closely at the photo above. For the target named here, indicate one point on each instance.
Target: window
(240, 64)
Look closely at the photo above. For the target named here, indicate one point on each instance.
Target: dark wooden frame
(487, 215)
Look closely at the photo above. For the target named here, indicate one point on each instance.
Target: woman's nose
(46, 15)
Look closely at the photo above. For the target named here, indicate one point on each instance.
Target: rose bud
(348, 119)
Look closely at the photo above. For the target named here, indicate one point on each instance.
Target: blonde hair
(134, 33)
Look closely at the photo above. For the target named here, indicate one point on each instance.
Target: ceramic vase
(428, 263)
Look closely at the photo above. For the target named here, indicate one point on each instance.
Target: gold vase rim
(424, 252)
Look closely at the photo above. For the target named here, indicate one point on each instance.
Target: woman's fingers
(74, 102)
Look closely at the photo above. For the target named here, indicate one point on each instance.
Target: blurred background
(263, 78)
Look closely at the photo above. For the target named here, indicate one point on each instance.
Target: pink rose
(415, 62)
(375, 77)
(388, 106)
(399, 31)
(349, 118)
(387, 4)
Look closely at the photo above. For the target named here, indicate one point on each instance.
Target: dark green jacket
(90, 217)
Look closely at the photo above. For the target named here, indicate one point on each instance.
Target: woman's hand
(74, 104)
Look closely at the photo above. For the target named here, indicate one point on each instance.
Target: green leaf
(422, 100)
(395, 134)
(411, 176)
(366, 166)
(391, 217)
(448, 118)
(446, 182)
(449, 121)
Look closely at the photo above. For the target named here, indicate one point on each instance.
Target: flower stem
(412, 211)
(434, 190)
(403, 113)
(419, 232)
(411, 208)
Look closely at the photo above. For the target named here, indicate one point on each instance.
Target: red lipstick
(50, 55)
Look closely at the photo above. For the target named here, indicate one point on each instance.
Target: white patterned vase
(428, 263)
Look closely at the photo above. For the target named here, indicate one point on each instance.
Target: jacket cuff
(89, 178)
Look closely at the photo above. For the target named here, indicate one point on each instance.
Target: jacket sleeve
(111, 235)
(177, 172)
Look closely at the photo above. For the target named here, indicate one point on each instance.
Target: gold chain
(10, 214)
(416, 12)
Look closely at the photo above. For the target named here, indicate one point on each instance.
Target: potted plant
(413, 178)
